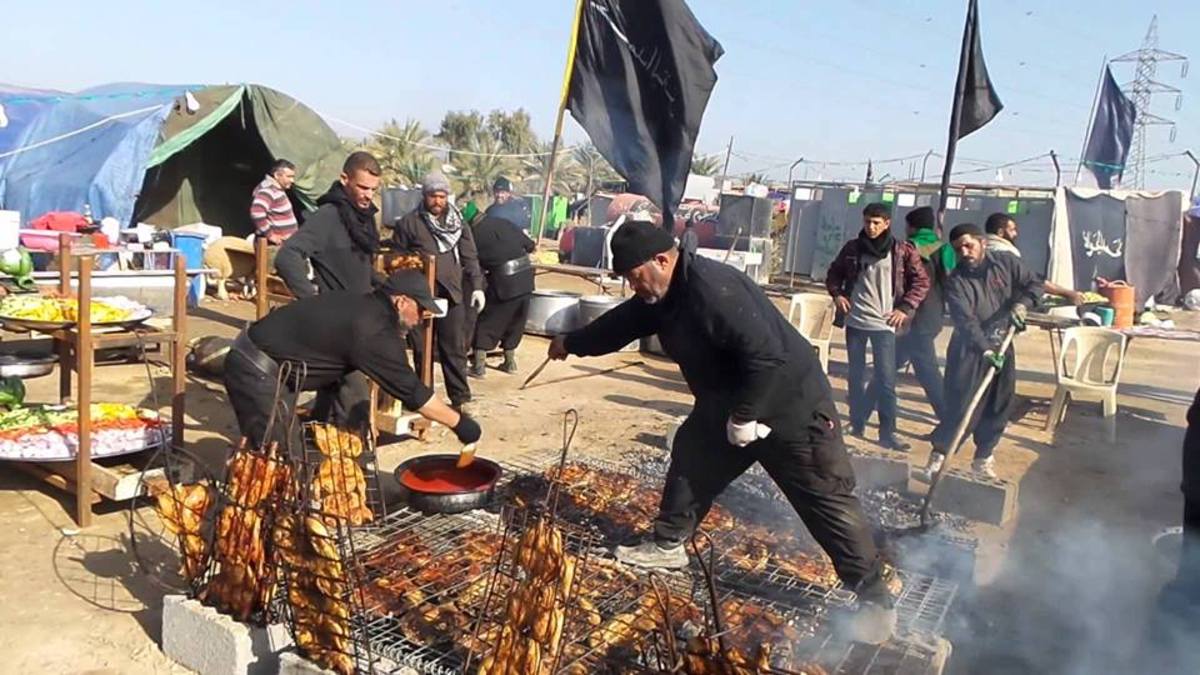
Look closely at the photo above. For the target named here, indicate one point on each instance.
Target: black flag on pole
(1112, 132)
(641, 78)
(975, 100)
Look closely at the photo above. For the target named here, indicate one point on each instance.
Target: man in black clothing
(760, 397)
(689, 242)
(986, 293)
(318, 340)
(436, 228)
(504, 257)
(339, 240)
(508, 205)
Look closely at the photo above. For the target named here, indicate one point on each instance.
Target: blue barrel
(191, 247)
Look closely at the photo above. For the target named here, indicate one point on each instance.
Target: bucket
(191, 247)
(1121, 296)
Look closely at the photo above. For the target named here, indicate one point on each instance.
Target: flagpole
(956, 110)
(558, 122)
(1091, 119)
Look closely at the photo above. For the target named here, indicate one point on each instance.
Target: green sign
(1012, 207)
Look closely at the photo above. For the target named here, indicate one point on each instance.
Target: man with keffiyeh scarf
(437, 228)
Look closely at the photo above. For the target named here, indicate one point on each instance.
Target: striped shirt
(271, 210)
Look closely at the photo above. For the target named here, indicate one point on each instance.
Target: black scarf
(878, 247)
(359, 223)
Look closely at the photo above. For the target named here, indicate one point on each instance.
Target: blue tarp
(60, 151)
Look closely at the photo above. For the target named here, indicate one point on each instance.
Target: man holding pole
(986, 293)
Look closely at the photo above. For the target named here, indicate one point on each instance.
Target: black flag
(1112, 131)
(641, 77)
(975, 100)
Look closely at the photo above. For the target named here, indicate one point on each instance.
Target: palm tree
(594, 168)
(478, 168)
(706, 165)
(760, 178)
(399, 149)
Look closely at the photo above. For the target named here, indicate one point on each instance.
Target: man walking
(1002, 234)
(916, 345)
(986, 293)
(877, 283)
(340, 239)
(436, 228)
(761, 396)
(504, 258)
(270, 208)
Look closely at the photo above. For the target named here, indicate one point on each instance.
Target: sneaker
(653, 555)
(510, 362)
(855, 431)
(985, 467)
(894, 444)
(873, 623)
(936, 459)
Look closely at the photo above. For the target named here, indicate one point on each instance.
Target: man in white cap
(437, 228)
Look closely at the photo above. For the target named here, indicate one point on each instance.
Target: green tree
(479, 164)
(706, 165)
(514, 130)
(593, 168)
(399, 149)
(461, 128)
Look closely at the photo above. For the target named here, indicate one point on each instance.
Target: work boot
(985, 467)
(932, 467)
(894, 444)
(478, 364)
(510, 361)
(652, 554)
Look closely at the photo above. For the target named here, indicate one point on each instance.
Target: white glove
(741, 435)
(478, 301)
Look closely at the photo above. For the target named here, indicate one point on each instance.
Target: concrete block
(291, 663)
(880, 469)
(975, 497)
(210, 643)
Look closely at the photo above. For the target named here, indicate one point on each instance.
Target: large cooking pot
(592, 307)
(552, 313)
(435, 484)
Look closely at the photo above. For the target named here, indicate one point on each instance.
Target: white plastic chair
(1092, 370)
(812, 315)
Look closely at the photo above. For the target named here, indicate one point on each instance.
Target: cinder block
(210, 643)
(291, 663)
(879, 469)
(976, 497)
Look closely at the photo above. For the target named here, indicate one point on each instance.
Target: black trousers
(810, 467)
(450, 348)
(502, 321)
(965, 367)
(919, 350)
(251, 381)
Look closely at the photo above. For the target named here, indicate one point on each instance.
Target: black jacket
(336, 333)
(498, 241)
(457, 276)
(981, 299)
(738, 353)
(1191, 452)
(927, 320)
(337, 264)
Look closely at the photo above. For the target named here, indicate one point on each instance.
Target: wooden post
(84, 360)
(260, 278)
(61, 344)
(179, 350)
(427, 360)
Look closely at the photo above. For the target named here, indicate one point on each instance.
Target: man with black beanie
(316, 341)
(760, 396)
(986, 293)
(877, 282)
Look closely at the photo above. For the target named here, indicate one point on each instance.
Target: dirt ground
(1064, 587)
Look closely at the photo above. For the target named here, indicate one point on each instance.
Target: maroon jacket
(909, 279)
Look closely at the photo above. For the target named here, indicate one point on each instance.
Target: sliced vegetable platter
(48, 433)
(40, 312)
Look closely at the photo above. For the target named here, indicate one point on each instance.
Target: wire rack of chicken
(184, 511)
(240, 578)
(341, 467)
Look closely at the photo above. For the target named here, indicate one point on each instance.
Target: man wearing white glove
(437, 228)
(761, 396)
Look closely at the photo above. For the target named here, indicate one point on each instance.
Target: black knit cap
(920, 217)
(636, 242)
(965, 228)
(502, 184)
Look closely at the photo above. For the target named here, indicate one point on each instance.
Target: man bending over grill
(760, 397)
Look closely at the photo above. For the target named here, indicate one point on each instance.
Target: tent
(166, 155)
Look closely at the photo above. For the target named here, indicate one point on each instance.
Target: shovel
(961, 430)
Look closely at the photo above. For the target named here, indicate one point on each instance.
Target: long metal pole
(1196, 173)
(1091, 118)
(728, 152)
(1057, 169)
(924, 162)
(960, 83)
(558, 122)
(790, 169)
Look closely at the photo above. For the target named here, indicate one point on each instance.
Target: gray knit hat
(435, 181)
